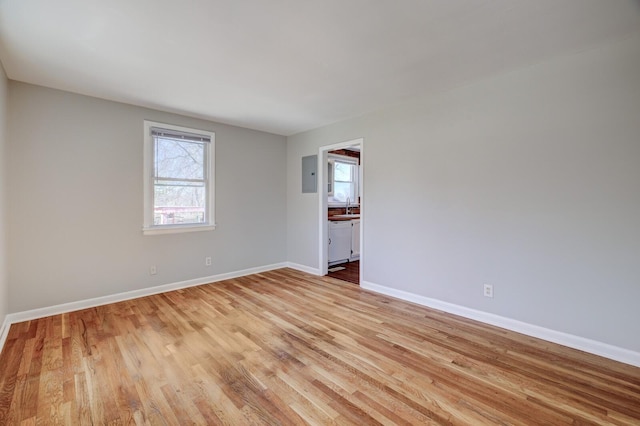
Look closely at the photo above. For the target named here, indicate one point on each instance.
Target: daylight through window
(343, 172)
(180, 188)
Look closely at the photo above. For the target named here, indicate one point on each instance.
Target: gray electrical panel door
(310, 173)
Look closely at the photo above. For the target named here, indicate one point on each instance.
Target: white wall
(4, 284)
(75, 201)
(529, 181)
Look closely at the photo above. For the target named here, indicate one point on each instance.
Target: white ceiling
(286, 66)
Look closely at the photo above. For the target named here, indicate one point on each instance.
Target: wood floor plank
(287, 348)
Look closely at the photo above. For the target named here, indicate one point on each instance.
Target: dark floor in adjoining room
(351, 273)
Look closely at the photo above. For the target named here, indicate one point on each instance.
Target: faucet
(347, 206)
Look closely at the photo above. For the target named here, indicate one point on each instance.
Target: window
(178, 179)
(343, 180)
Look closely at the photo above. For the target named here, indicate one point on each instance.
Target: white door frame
(323, 228)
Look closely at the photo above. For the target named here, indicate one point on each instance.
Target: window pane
(343, 190)
(178, 186)
(179, 202)
(179, 159)
(343, 172)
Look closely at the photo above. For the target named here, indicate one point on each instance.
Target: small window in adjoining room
(343, 172)
(178, 179)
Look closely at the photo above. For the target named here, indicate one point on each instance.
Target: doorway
(354, 265)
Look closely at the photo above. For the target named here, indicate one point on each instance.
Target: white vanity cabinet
(339, 241)
(344, 241)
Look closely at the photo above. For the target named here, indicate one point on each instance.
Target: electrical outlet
(488, 290)
(207, 261)
(153, 270)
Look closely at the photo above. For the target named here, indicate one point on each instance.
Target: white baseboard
(4, 332)
(576, 342)
(303, 268)
(119, 297)
(598, 348)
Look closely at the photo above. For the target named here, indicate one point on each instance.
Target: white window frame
(148, 227)
(332, 202)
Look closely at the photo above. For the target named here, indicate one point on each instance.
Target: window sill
(337, 204)
(176, 229)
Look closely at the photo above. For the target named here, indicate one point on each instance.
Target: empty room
(320, 212)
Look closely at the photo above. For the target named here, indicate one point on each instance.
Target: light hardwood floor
(284, 347)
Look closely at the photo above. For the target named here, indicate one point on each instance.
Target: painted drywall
(75, 200)
(529, 181)
(4, 284)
